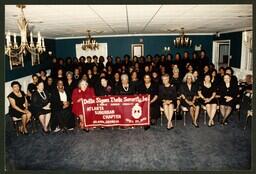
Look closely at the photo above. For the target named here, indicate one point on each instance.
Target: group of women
(171, 83)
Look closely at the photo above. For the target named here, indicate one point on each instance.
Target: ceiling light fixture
(13, 50)
(182, 40)
(90, 43)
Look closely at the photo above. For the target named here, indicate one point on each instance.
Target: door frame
(216, 51)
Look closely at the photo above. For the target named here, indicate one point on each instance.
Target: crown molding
(131, 35)
(237, 30)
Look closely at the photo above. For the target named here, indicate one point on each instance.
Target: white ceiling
(74, 20)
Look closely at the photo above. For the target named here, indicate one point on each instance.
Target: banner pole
(83, 112)
(149, 109)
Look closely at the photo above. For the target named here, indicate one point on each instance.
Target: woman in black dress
(50, 85)
(189, 95)
(168, 96)
(104, 88)
(135, 81)
(125, 88)
(43, 75)
(228, 93)
(19, 106)
(40, 105)
(116, 82)
(70, 84)
(150, 88)
(207, 93)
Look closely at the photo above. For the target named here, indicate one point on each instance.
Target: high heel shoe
(195, 125)
(86, 130)
(169, 128)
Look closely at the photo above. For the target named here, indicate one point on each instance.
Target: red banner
(108, 111)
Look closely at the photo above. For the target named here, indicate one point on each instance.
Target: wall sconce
(167, 48)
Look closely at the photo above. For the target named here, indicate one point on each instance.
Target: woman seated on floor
(19, 106)
(188, 92)
(40, 105)
(80, 93)
(168, 95)
(207, 93)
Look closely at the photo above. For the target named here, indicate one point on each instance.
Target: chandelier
(182, 40)
(13, 50)
(90, 43)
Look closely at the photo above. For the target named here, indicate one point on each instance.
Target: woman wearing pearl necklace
(40, 104)
(125, 88)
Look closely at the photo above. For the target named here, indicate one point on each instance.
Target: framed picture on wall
(137, 50)
(35, 59)
(16, 61)
(198, 47)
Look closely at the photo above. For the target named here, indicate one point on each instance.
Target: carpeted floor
(183, 148)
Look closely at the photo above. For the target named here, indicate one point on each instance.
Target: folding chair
(184, 111)
(162, 115)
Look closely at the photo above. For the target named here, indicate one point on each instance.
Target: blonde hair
(81, 81)
(123, 76)
(175, 70)
(187, 75)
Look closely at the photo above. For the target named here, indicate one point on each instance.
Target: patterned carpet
(183, 148)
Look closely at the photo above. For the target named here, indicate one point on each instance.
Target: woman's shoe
(195, 125)
(86, 129)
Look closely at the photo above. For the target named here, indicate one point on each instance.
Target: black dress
(176, 82)
(70, 86)
(207, 93)
(20, 101)
(32, 88)
(230, 91)
(152, 90)
(129, 91)
(104, 91)
(136, 85)
(168, 93)
(188, 93)
(38, 102)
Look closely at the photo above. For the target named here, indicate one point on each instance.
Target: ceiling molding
(131, 35)
(236, 30)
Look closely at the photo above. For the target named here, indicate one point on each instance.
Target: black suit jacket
(57, 104)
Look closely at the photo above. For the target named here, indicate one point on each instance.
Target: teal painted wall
(119, 46)
(235, 47)
(28, 69)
